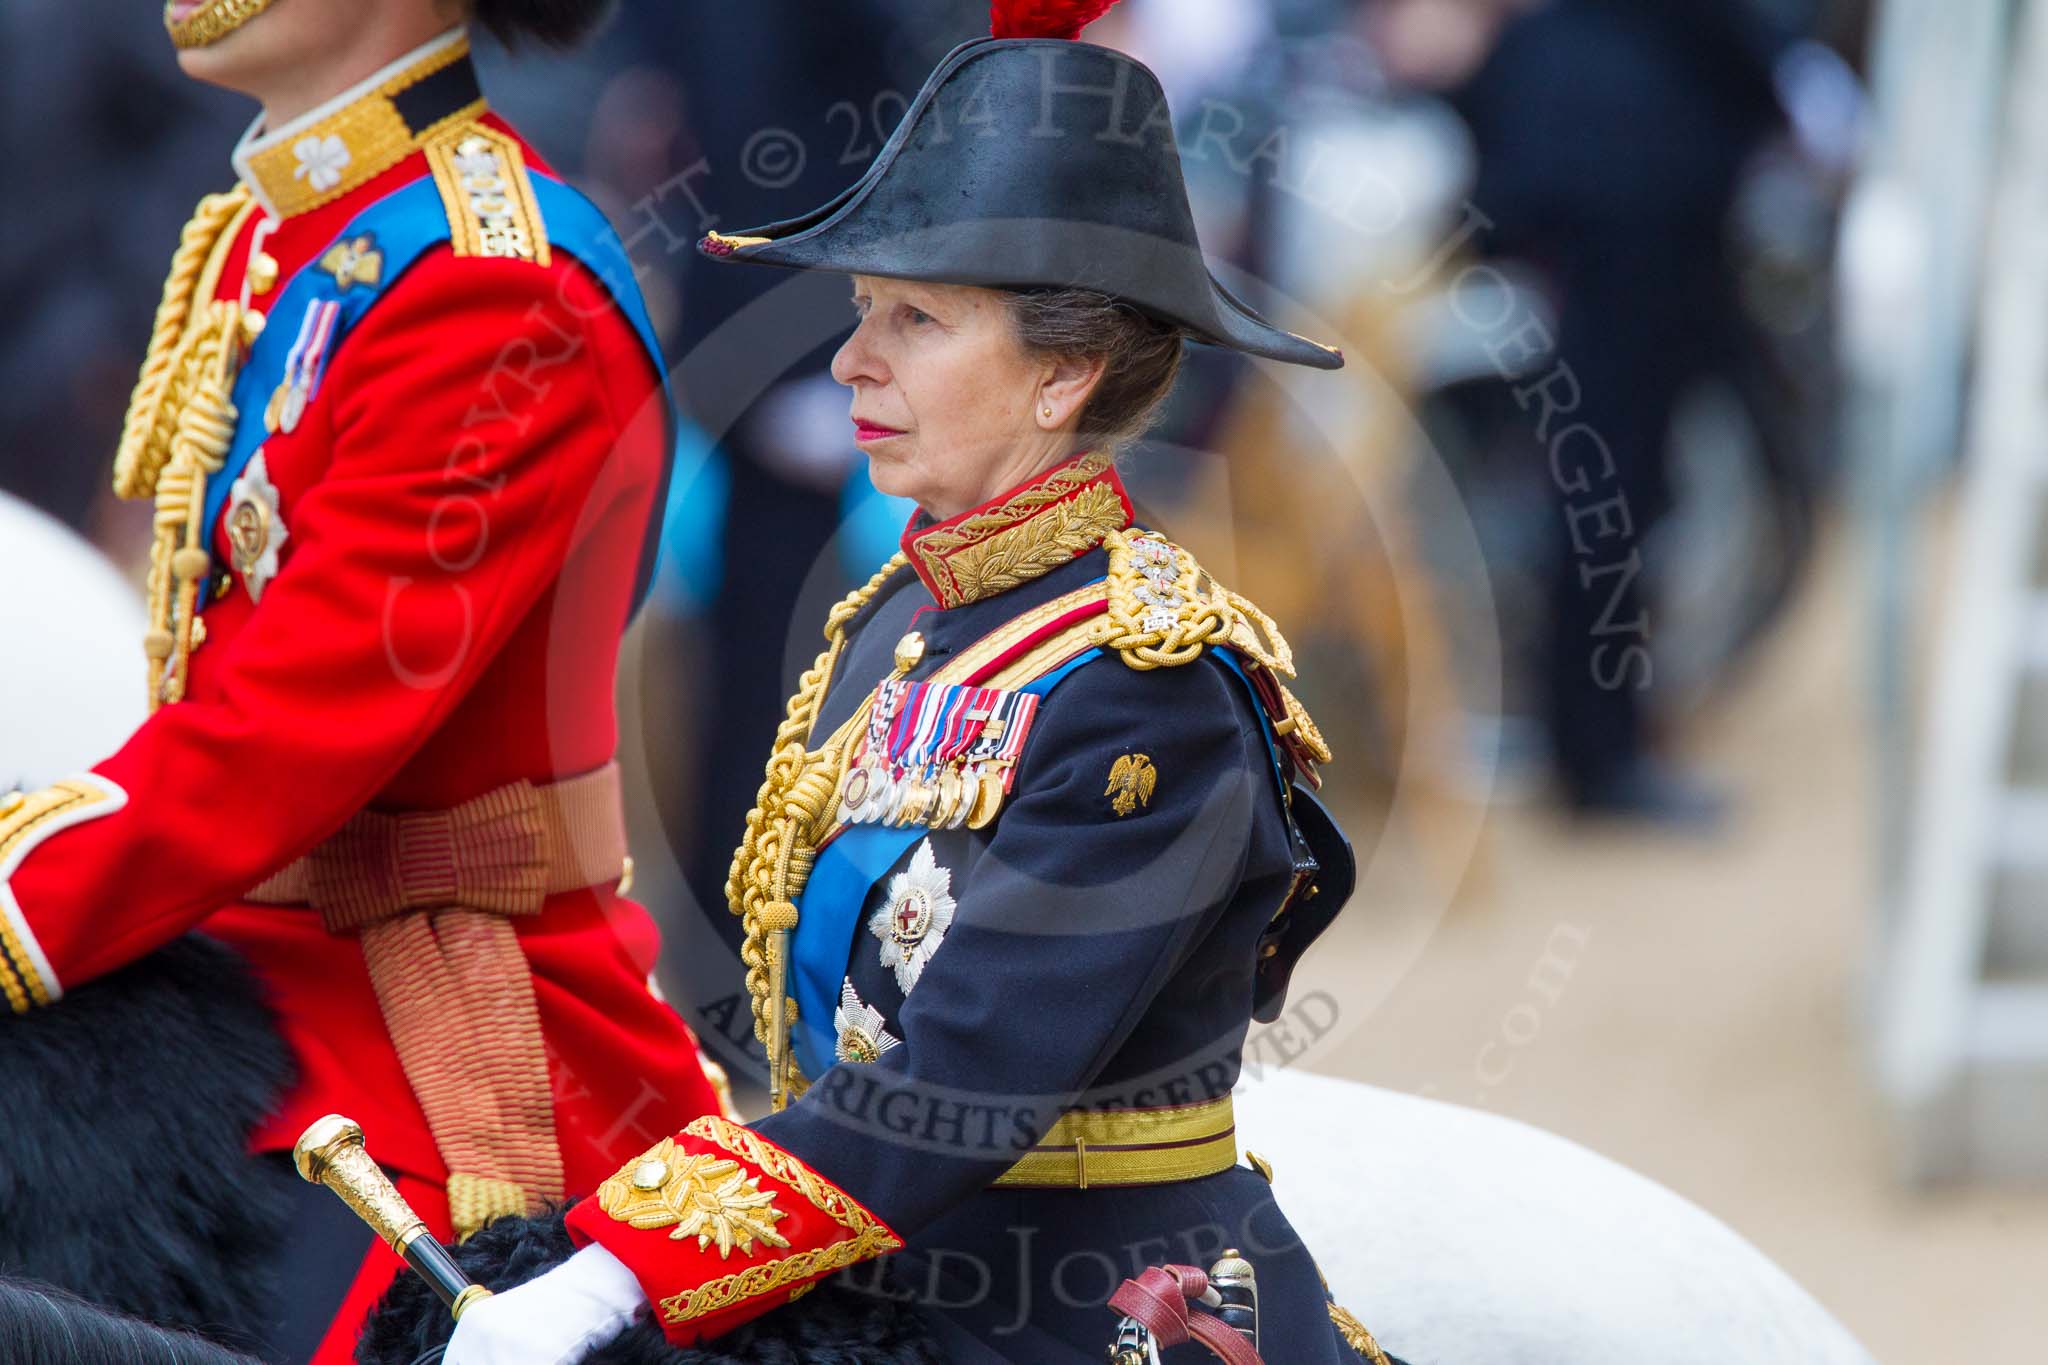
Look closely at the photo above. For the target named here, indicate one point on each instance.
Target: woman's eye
(917, 316)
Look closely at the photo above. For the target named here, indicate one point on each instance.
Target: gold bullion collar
(364, 131)
(1020, 535)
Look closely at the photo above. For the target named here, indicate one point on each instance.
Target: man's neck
(313, 86)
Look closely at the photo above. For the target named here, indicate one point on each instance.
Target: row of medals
(871, 793)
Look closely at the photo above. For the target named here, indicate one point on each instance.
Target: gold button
(252, 325)
(650, 1174)
(909, 650)
(262, 273)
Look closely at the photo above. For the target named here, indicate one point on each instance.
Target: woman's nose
(856, 360)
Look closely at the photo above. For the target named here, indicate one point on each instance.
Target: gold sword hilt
(331, 1152)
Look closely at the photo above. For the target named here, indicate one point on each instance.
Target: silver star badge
(861, 1035)
(256, 529)
(913, 920)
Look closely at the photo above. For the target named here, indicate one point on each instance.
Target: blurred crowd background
(1659, 567)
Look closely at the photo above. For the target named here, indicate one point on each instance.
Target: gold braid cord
(166, 373)
(1160, 614)
(792, 811)
(180, 423)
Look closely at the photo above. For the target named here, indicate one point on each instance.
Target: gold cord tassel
(167, 376)
(180, 423)
(178, 561)
(773, 861)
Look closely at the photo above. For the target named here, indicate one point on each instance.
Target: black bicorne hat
(1030, 162)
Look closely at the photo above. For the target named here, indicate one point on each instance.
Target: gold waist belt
(1129, 1147)
(431, 896)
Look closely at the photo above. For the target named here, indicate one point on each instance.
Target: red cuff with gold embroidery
(720, 1225)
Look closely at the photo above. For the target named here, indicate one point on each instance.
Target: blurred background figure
(107, 147)
(1637, 492)
(1613, 140)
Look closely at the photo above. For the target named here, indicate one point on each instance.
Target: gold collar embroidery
(1027, 532)
(363, 132)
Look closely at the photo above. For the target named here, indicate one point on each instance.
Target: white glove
(556, 1318)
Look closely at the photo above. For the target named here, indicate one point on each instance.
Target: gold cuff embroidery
(868, 1237)
(702, 1196)
(26, 978)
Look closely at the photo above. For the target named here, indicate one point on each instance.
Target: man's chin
(225, 60)
(210, 63)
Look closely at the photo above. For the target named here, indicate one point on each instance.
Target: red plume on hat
(1044, 18)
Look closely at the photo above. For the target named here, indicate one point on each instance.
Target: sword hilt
(1237, 1287)
(331, 1152)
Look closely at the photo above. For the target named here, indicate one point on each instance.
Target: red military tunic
(464, 501)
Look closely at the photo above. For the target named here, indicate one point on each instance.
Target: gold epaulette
(1165, 609)
(481, 174)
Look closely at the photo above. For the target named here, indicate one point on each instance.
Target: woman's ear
(1065, 389)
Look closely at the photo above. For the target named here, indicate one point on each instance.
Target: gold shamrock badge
(711, 1198)
(1131, 780)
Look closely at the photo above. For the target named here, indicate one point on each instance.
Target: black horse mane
(123, 1169)
(45, 1324)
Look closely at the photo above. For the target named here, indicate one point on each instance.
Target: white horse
(1458, 1237)
(1464, 1238)
(71, 666)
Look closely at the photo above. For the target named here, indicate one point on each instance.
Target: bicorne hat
(1029, 160)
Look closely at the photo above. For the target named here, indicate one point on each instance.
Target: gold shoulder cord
(180, 424)
(790, 813)
(1165, 609)
(1162, 618)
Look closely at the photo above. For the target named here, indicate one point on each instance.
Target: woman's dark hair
(1141, 355)
(555, 23)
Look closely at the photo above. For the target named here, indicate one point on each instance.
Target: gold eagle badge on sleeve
(1131, 781)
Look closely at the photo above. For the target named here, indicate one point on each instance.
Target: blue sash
(829, 912)
(830, 908)
(404, 225)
